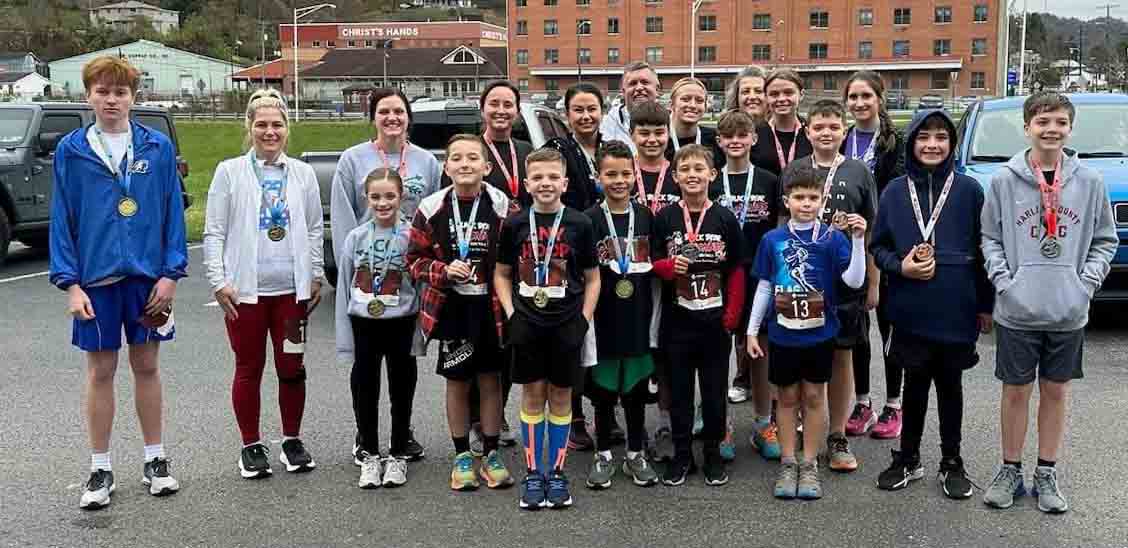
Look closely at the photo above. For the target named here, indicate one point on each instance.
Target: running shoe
(462, 476)
(640, 471)
(728, 446)
(1006, 485)
(533, 495)
(861, 420)
(678, 470)
(371, 472)
(155, 475)
(254, 462)
(411, 450)
(1050, 499)
(507, 438)
(810, 488)
(395, 471)
(953, 478)
(357, 452)
(599, 475)
(715, 472)
(663, 450)
(493, 471)
(839, 455)
(578, 437)
(295, 457)
(766, 441)
(558, 494)
(787, 480)
(888, 424)
(901, 471)
(737, 394)
(97, 491)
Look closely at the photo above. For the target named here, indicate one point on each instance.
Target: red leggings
(283, 318)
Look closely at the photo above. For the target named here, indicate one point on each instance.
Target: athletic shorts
(119, 307)
(911, 352)
(1021, 356)
(552, 355)
(788, 365)
(853, 324)
(463, 359)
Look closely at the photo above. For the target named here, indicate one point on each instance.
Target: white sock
(664, 419)
(256, 442)
(154, 451)
(631, 455)
(864, 399)
(895, 403)
(284, 438)
(100, 461)
(606, 454)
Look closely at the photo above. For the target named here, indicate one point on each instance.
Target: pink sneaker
(888, 424)
(861, 420)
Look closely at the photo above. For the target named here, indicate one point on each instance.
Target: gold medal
(375, 308)
(540, 298)
(924, 253)
(839, 221)
(127, 207)
(624, 289)
(276, 233)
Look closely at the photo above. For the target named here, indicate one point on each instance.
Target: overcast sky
(1081, 9)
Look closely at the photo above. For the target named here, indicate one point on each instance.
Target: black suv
(28, 136)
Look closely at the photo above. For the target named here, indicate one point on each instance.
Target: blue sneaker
(765, 439)
(532, 491)
(558, 494)
(728, 445)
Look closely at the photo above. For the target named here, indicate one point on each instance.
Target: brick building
(947, 47)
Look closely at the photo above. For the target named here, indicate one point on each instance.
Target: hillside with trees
(1100, 44)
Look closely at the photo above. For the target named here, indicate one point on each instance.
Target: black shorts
(462, 360)
(853, 324)
(788, 365)
(553, 355)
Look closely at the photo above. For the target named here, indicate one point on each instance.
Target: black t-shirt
(573, 253)
(708, 140)
(1049, 176)
(668, 193)
(694, 303)
(763, 209)
(496, 176)
(764, 153)
(622, 325)
(467, 309)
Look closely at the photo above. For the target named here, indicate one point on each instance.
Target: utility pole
(693, 35)
(1108, 48)
(1022, 52)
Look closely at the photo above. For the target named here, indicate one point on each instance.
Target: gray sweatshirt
(1037, 293)
(348, 207)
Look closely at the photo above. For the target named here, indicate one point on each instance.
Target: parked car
(930, 101)
(991, 132)
(432, 125)
(896, 99)
(966, 101)
(29, 133)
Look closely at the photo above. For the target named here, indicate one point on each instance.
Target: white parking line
(45, 272)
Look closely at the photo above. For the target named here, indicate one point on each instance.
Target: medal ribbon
(747, 191)
(384, 157)
(510, 176)
(814, 231)
(464, 231)
(783, 161)
(122, 176)
(697, 139)
(653, 205)
(276, 206)
(542, 269)
(1051, 196)
(691, 234)
(623, 258)
(926, 230)
(867, 155)
(378, 280)
(592, 172)
(827, 184)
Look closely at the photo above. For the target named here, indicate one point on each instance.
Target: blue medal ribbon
(541, 269)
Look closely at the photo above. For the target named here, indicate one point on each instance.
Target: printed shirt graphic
(622, 326)
(275, 259)
(668, 193)
(798, 267)
(467, 305)
(385, 278)
(763, 209)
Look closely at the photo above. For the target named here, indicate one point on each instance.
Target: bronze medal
(839, 221)
(375, 308)
(127, 207)
(1051, 248)
(624, 289)
(540, 298)
(276, 233)
(690, 251)
(924, 253)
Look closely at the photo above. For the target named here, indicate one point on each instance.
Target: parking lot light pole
(298, 14)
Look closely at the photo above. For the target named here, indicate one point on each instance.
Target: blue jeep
(991, 133)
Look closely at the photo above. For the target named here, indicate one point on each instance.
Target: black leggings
(634, 402)
(949, 400)
(704, 360)
(376, 341)
(863, 354)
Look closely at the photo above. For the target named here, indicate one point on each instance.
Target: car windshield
(13, 126)
(1100, 130)
(431, 134)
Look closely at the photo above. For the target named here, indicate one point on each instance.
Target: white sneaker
(370, 471)
(155, 475)
(97, 490)
(395, 472)
(737, 394)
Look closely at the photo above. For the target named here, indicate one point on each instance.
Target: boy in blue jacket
(926, 243)
(118, 248)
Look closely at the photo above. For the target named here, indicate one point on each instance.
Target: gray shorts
(1055, 355)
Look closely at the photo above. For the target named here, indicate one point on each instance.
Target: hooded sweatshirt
(1037, 293)
(944, 308)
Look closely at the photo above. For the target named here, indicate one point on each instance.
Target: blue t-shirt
(806, 270)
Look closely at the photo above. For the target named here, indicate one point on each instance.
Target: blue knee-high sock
(532, 434)
(558, 429)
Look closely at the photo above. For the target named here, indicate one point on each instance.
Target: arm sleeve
(315, 226)
(994, 256)
(215, 228)
(1105, 241)
(855, 274)
(345, 343)
(663, 264)
(734, 298)
(342, 203)
(759, 307)
(63, 238)
(174, 265)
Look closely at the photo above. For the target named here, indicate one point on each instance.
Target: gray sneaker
(787, 480)
(809, 486)
(1006, 485)
(663, 445)
(507, 438)
(599, 475)
(640, 471)
(1050, 499)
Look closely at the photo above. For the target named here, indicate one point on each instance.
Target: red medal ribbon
(783, 161)
(657, 186)
(384, 157)
(1051, 195)
(691, 233)
(510, 176)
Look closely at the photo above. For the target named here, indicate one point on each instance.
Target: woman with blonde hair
(689, 101)
(263, 261)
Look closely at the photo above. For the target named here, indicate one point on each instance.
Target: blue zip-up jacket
(90, 241)
(944, 308)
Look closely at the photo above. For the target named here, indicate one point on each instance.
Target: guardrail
(322, 115)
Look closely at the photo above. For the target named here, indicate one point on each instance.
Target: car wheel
(5, 235)
(38, 240)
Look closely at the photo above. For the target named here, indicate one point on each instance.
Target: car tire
(5, 235)
(36, 240)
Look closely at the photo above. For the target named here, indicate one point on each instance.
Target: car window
(434, 136)
(547, 127)
(60, 123)
(561, 128)
(157, 122)
(13, 125)
(1096, 129)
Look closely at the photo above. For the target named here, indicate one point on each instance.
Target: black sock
(461, 443)
(489, 443)
(1016, 464)
(1049, 463)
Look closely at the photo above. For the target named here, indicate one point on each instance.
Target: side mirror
(48, 142)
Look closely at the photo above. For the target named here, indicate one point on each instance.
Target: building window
(865, 50)
(707, 54)
(613, 83)
(612, 25)
(900, 48)
(583, 27)
(820, 19)
(522, 3)
(761, 52)
(551, 28)
(523, 84)
(368, 43)
(317, 43)
(978, 80)
(583, 2)
(551, 84)
(865, 17)
(979, 46)
(351, 43)
(830, 82)
(939, 80)
(981, 13)
(612, 56)
(942, 47)
(522, 57)
(522, 27)
(654, 55)
(816, 51)
(331, 44)
(902, 16)
(762, 21)
(653, 23)
(899, 81)
(653, 2)
(551, 2)
(943, 14)
(551, 56)
(707, 23)
(585, 56)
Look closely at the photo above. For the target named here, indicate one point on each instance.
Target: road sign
(1012, 77)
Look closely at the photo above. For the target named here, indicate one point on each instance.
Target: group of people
(623, 263)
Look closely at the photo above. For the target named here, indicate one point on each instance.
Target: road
(43, 452)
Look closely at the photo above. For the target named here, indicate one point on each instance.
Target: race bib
(699, 291)
(800, 309)
(476, 283)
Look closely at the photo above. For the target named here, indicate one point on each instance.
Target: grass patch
(205, 144)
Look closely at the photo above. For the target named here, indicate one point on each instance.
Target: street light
(298, 14)
(693, 35)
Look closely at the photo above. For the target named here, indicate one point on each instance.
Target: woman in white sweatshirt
(262, 257)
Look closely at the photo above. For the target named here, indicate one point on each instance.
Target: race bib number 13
(800, 310)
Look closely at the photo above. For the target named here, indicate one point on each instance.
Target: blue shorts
(118, 306)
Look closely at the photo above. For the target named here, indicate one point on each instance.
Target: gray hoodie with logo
(1034, 292)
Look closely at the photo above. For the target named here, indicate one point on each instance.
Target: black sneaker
(679, 469)
(98, 488)
(410, 451)
(903, 470)
(254, 462)
(715, 472)
(559, 495)
(295, 456)
(155, 475)
(953, 478)
(578, 438)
